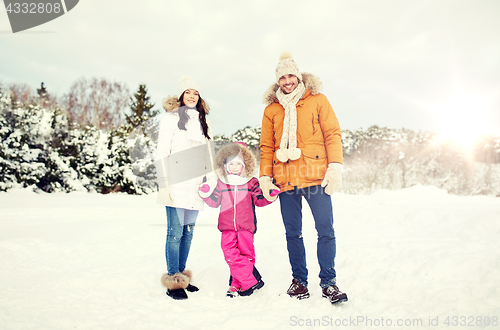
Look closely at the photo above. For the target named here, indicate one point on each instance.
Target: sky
(422, 65)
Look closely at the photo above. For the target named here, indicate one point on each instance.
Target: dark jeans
(321, 207)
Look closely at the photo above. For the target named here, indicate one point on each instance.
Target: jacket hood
(234, 149)
(311, 82)
(171, 104)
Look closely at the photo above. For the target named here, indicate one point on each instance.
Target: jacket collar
(234, 180)
(311, 82)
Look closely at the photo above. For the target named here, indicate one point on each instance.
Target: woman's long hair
(202, 108)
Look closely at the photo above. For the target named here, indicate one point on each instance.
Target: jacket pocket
(316, 163)
(279, 172)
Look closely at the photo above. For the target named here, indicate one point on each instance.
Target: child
(237, 192)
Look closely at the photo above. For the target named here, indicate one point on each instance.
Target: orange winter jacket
(318, 138)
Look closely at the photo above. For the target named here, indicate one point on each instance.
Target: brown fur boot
(190, 287)
(175, 285)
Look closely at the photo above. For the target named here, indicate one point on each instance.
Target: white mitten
(268, 187)
(333, 178)
(164, 195)
(207, 187)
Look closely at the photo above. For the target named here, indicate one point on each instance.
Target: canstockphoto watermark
(24, 15)
(328, 321)
(366, 321)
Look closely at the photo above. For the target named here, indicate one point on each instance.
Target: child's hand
(204, 188)
(274, 192)
(207, 187)
(268, 186)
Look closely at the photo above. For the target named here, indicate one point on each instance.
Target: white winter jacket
(182, 159)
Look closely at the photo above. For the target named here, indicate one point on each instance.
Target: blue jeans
(321, 207)
(180, 227)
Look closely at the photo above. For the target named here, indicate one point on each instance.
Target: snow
(89, 261)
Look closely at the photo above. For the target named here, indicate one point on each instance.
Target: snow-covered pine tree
(23, 139)
(143, 132)
(249, 135)
(7, 168)
(58, 156)
(86, 149)
(141, 108)
(116, 174)
(141, 149)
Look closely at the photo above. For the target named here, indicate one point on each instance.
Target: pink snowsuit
(237, 222)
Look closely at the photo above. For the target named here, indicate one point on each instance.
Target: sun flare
(463, 117)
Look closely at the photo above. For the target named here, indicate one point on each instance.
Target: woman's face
(191, 97)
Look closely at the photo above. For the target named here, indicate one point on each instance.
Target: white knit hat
(187, 83)
(287, 65)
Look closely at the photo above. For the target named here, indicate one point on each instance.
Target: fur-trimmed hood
(171, 104)
(311, 82)
(234, 149)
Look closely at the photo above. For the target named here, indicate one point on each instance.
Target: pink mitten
(268, 187)
(204, 188)
(274, 192)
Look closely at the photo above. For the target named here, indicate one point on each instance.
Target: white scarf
(288, 145)
(193, 126)
(235, 180)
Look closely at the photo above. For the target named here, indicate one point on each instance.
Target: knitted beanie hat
(238, 158)
(187, 83)
(287, 65)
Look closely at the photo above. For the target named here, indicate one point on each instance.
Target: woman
(182, 160)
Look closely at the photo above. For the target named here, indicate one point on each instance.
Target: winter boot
(297, 290)
(190, 287)
(333, 294)
(251, 290)
(177, 294)
(232, 292)
(175, 284)
(255, 273)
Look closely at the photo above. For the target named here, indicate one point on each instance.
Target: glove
(207, 187)
(204, 188)
(333, 178)
(164, 196)
(274, 192)
(268, 187)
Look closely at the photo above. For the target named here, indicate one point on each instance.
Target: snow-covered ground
(413, 258)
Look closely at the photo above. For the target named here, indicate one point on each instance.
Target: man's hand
(267, 187)
(333, 178)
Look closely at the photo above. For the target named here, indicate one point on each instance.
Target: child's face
(235, 167)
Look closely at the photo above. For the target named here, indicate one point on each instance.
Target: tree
(141, 108)
(20, 93)
(23, 94)
(97, 102)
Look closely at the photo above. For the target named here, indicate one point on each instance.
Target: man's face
(288, 83)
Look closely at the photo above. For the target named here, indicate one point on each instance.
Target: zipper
(235, 202)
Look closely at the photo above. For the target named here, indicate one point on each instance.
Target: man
(301, 154)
